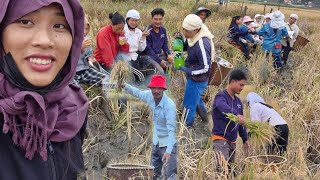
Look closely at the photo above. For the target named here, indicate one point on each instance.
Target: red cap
(158, 81)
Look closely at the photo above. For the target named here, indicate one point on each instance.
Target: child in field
(42, 115)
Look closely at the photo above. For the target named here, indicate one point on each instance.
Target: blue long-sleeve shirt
(272, 37)
(156, 43)
(244, 28)
(163, 116)
(223, 103)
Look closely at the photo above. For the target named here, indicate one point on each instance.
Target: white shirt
(262, 113)
(136, 41)
(295, 30)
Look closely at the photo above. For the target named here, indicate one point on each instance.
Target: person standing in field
(262, 112)
(272, 33)
(225, 131)
(42, 115)
(164, 149)
(86, 73)
(294, 30)
(157, 51)
(112, 45)
(201, 53)
(203, 13)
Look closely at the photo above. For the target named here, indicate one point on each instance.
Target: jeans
(192, 99)
(170, 169)
(277, 60)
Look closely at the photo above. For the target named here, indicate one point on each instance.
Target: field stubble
(294, 93)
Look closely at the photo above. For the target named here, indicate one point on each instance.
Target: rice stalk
(260, 132)
(120, 73)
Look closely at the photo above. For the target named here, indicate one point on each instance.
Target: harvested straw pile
(261, 133)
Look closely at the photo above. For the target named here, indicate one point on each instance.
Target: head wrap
(133, 14)
(253, 98)
(192, 22)
(277, 20)
(294, 16)
(35, 115)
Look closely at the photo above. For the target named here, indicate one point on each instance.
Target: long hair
(234, 22)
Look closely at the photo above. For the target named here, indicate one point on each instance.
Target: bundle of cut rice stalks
(260, 133)
(120, 73)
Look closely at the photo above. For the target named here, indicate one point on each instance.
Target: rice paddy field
(125, 135)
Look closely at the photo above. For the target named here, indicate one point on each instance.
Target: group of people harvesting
(276, 37)
(43, 115)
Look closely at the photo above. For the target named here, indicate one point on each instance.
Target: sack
(278, 46)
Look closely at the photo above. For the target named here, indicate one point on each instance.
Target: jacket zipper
(51, 160)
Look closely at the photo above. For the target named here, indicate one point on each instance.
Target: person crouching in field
(112, 44)
(137, 41)
(260, 111)
(272, 33)
(235, 36)
(157, 51)
(42, 115)
(198, 66)
(164, 149)
(225, 132)
(86, 73)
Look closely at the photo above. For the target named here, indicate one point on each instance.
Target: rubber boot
(202, 114)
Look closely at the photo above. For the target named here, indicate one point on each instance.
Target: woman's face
(133, 23)
(40, 43)
(118, 29)
(239, 21)
(258, 19)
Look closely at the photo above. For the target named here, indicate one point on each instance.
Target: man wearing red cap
(164, 150)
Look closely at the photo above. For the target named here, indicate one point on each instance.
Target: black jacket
(65, 160)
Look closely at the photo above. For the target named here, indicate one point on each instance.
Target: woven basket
(266, 162)
(300, 43)
(220, 70)
(124, 171)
